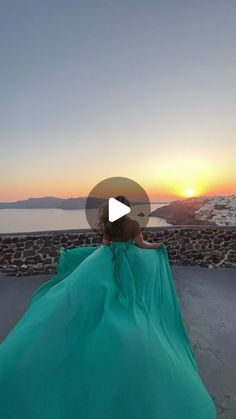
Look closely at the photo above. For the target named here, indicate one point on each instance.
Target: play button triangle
(116, 209)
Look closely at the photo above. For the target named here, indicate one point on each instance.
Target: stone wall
(38, 252)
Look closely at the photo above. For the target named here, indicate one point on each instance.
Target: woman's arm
(106, 242)
(145, 245)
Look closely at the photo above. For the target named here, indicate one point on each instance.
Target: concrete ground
(208, 304)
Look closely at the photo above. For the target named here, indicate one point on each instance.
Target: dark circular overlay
(112, 187)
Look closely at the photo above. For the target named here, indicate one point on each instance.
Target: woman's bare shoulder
(134, 226)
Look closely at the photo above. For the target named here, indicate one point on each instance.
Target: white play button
(116, 209)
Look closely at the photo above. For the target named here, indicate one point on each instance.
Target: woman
(104, 338)
(124, 229)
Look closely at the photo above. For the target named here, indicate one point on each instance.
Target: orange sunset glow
(123, 100)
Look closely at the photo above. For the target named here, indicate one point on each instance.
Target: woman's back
(127, 230)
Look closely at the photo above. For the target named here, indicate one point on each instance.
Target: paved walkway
(208, 304)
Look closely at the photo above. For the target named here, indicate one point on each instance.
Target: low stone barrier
(38, 252)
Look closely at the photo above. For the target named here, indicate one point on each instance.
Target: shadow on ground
(208, 304)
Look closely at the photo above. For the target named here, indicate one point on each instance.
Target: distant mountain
(45, 202)
(52, 202)
(214, 210)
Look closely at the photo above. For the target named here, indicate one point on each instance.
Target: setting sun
(189, 192)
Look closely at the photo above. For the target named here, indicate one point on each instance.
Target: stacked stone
(38, 253)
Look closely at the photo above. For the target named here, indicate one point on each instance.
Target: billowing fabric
(103, 339)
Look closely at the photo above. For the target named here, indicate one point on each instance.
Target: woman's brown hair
(112, 229)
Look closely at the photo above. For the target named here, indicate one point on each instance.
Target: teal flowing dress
(103, 339)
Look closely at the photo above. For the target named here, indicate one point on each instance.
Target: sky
(96, 89)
